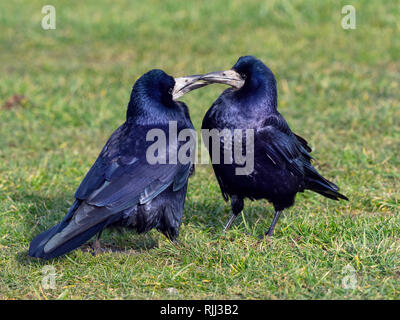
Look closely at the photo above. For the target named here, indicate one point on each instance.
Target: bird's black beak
(186, 84)
(229, 77)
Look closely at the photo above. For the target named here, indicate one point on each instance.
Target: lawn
(64, 91)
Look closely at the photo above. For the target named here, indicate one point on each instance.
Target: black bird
(282, 163)
(123, 188)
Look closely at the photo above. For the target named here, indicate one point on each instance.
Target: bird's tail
(63, 237)
(316, 182)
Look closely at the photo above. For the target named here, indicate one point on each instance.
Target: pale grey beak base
(229, 77)
(186, 84)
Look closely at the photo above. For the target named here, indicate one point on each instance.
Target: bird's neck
(148, 106)
(260, 94)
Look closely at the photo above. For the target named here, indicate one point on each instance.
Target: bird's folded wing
(303, 142)
(282, 148)
(288, 152)
(119, 180)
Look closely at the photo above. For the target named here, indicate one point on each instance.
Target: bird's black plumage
(122, 187)
(282, 163)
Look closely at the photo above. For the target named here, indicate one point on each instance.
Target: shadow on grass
(138, 245)
(44, 212)
(211, 216)
(24, 259)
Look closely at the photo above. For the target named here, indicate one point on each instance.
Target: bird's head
(159, 86)
(157, 89)
(250, 77)
(248, 71)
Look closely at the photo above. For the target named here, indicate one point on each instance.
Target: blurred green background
(64, 91)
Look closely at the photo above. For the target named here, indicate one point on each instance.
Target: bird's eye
(243, 75)
(170, 90)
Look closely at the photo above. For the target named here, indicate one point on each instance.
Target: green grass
(337, 88)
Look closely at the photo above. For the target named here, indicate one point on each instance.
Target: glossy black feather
(282, 163)
(122, 187)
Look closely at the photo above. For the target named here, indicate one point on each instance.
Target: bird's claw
(96, 247)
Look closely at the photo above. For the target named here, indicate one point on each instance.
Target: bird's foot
(175, 243)
(271, 229)
(265, 236)
(268, 235)
(96, 246)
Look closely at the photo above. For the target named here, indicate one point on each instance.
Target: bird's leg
(237, 206)
(96, 244)
(273, 224)
(231, 219)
